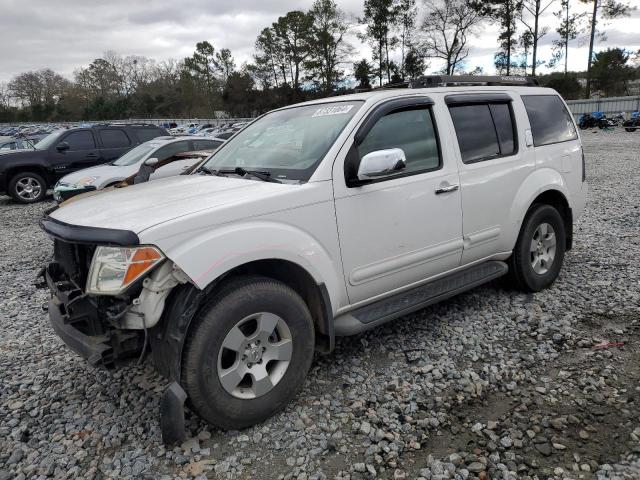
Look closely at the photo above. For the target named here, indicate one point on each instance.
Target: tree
(567, 30)
(405, 17)
(505, 12)
(330, 48)
(379, 17)
(225, 63)
(294, 34)
(203, 66)
(566, 85)
(607, 9)
(447, 27)
(534, 32)
(363, 71)
(414, 64)
(611, 71)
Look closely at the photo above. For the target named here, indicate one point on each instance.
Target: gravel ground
(491, 384)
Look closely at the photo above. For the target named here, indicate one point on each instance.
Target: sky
(66, 34)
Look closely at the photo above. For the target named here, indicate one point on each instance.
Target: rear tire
(27, 187)
(248, 352)
(539, 252)
(630, 129)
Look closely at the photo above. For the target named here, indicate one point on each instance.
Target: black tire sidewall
(529, 279)
(14, 180)
(200, 358)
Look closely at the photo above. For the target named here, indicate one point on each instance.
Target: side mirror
(381, 164)
(151, 162)
(62, 146)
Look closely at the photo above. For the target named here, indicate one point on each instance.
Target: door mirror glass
(62, 146)
(381, 164)
(151, 162)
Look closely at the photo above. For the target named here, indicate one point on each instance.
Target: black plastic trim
(472, 98)
(88, 235)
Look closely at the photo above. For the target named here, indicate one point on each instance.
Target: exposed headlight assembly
(114, 269)
(83, 182)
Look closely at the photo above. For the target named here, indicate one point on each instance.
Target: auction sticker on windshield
(334, 110)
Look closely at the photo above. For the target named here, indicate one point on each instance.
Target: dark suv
(25, 175)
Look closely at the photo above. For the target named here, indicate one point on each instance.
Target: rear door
(82, 152)
(114, 142)
(493, 161)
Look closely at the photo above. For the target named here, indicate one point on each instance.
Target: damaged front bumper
(78, 321)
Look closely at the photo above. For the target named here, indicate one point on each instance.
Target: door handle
(92, 155)
(446, 189)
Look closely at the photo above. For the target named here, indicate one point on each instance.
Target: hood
(103, 173)
(139, 207)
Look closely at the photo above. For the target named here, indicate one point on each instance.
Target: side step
(382, 311)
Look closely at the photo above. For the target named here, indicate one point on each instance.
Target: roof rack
(429, 81)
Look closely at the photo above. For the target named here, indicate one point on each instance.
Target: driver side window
(81, 140)
(411, 130)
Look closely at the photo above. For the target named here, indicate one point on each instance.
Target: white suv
(318, 220)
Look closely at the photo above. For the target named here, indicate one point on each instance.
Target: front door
(81, 152)
(400, 230)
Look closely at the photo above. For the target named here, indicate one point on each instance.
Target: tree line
(309, 54)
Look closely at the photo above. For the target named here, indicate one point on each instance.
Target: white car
(106, 175)
(317, 220)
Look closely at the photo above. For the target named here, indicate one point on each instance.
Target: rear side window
(114, 138)
(484, 131)
(225, 135)
(81, 140)
(550, 121)
(413, 131)
(206, 144)
(146, 134)
(170, 150)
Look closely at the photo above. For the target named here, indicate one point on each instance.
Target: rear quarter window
(550, 120)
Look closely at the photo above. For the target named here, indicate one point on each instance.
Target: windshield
(137, 154)
(289, 143)
(49, 140)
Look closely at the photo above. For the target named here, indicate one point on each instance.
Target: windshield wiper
(264, 176)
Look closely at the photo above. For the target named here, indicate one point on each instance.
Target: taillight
(584, 168)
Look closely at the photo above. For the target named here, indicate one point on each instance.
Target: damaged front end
(108, 305)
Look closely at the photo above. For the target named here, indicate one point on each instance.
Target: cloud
(66, 35)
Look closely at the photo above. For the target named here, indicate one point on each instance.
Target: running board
(382, 311)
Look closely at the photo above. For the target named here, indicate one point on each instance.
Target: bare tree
(447, 27)
(535, 9)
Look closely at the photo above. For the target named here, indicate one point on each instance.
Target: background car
(167, 162)
(27, 174)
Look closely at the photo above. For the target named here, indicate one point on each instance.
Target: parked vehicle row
(161, 156)
(321, 219)
(27, 174)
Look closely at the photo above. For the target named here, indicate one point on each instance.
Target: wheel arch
(167, 338)
(543, 186)
(39, 169)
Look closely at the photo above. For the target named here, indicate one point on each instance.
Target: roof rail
(429, 81)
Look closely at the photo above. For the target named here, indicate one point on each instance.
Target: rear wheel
(27, 187)
(248, 353)
(537, 258)
(628, 129)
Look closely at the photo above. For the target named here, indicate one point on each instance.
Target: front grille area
(74, 259)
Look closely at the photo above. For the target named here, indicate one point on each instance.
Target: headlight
(113, 269)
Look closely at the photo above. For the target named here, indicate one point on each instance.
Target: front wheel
(538, 255)
(630, 129)
(27, 187)
(248, 352)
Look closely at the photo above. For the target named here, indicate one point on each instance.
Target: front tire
(27, 187)
(539, 252)
(248, 352)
